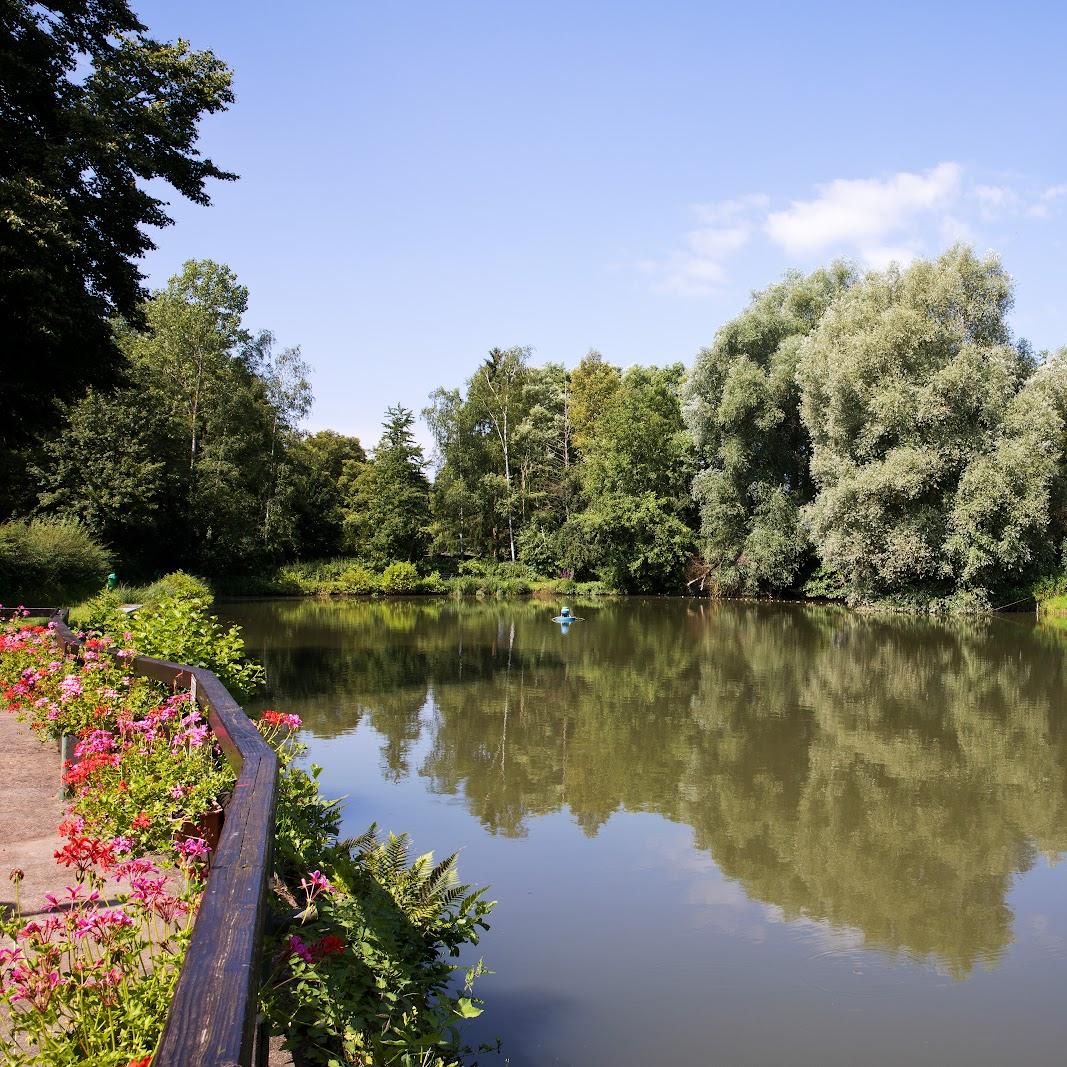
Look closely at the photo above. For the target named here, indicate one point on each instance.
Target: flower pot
(209, 829)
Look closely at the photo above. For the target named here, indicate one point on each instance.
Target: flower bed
(359, 953)
(90, 977)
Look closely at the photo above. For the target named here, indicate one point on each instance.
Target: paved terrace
(30, 812)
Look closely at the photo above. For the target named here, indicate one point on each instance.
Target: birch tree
(498, 391)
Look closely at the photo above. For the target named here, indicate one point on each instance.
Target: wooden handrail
(212, 1017)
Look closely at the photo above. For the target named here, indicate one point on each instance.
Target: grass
(1053, 607)
(353, 577)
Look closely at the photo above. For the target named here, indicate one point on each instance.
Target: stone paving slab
(30, 812)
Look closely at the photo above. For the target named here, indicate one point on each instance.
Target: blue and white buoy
(565, 618)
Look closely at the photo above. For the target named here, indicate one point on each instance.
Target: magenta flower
(194, 848)
(298, 948)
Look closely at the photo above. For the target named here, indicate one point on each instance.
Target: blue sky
(423, 181)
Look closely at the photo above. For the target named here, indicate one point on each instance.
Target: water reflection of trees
(886, 774)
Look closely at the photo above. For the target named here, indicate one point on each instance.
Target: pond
(719, 833)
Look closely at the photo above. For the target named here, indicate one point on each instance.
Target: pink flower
(70, 688)
(278, 718)
(298, 948)
(194, 848)
(135, 867)
(319, 879)
(315, 884)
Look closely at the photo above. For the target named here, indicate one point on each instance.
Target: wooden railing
(212, 1018)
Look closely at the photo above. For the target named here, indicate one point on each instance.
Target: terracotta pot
(209, 828)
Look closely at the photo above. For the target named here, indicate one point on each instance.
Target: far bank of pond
(720, 832)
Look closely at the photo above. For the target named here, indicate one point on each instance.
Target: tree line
(875, 436)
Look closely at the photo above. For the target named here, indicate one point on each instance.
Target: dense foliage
(581, 473)
(881, 439)
(91, 110)
(872, 438)
(936, 449)
(388, 505)
(44, 561)
(743, 407)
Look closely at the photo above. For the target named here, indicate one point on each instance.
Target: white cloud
(862, 212)
(1042, 208)
(700, 267)
(878, 221)
(878, 257)
(955, 229)
(995, 200)
(726, 211)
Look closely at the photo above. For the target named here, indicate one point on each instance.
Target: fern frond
(442, 876)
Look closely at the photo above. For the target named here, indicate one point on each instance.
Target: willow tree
(742, 406)
(935, 456)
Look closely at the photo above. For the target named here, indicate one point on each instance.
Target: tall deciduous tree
(460, 461)
(92, 109)
(592, 385)
(548, 483)
(498, 392)
(196, 354)
(934, 462)
(193, 464)
(108, 470)
(324, 465)
(743, 409)
(636, 530)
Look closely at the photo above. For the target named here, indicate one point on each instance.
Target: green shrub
(362, 969)
(102, 613)
(183, 631)
(1052, 606)
(825, 585)
(50, 561)
(497, 570)
(180, 586)
(358, 579)
(465, 586)
(400, 578)
(592, 589)
(433, 583)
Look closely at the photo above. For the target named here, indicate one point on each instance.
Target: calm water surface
(719, 834)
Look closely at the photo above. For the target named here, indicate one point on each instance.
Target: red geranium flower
(327, 946)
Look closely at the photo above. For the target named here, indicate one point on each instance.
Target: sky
(423, 181)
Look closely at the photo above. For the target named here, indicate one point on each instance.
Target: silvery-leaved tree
(742, 406)
(936, 448)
